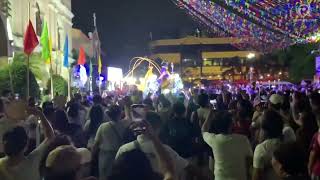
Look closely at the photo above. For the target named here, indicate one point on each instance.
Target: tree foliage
(60, 85)
(19, 79)
(299, 60)
(37, 65)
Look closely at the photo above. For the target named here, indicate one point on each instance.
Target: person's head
(308, 121)
(49, 113)
(58, 140)
(97, 99)
(222, 122)
(148, 103)
(275, 102)
(6, 93)
(203, 100)
(179, 109)
(131, 164)
(61, 121)
(15, 141)
(1, 106)
(315, 102)
(114, 113)
(31, 102)
(63, 163)
(272, 124)
(96, 118)
(258, 104)
(155, 120)
(163, 103)
(73, 110)
(289, 160)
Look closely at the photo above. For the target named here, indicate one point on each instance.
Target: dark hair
(154, 119)
(114, 112)
(315, 98)
(179, 109)
(203, 100)
(309, 122)
(96, 118)
(147, 101)
(97, 99)
(5, 92)
(14, 141)
(272, 124)
(221, 122)
(61, 122)
(164, 101)
(1, 105)
(292, 158)
(31, 101)
(73, 110)
(127, 163)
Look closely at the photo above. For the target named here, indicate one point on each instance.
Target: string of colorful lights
(261, 24)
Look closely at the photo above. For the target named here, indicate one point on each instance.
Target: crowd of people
(267, 135)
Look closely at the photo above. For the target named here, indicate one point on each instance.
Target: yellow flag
(50, 51)
(99, 65)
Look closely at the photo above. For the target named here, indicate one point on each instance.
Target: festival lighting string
(262, 24)
(137, 62)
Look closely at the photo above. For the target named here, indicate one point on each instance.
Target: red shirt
(315, 146)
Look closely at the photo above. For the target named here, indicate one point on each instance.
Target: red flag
(82, 57)
(30, 39)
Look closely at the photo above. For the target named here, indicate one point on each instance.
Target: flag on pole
(91, 68)
(66, 53)
(82, 56)
(30, 39)
(99, 65)
(48, 61)
(44, 40)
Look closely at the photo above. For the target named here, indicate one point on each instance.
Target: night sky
(124, 25)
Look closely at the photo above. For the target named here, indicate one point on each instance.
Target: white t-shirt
(28, 169)
(146, 146)
(231, 153)
(288, 134)
(109, 135)
(263, 155)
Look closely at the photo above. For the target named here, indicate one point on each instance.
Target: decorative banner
(261, 24)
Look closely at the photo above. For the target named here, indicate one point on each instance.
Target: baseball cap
(276, 99)
(67, 158)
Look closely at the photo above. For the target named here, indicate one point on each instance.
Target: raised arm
(165, 159)
(47, 128)
(207, 123)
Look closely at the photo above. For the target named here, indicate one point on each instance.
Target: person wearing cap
(275, 104)
(66, 162)
(15, 165)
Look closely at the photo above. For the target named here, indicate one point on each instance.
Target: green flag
(44, 40)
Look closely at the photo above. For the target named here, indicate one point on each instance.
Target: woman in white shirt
(232, 152)
(108, 140)
(91, 127)
(271, 128)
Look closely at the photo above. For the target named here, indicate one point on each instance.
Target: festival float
(157, 78)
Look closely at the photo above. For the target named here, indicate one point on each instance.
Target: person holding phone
(146, 145)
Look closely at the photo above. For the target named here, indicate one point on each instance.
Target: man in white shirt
(146, 146)
(232, 152)
(17, 166)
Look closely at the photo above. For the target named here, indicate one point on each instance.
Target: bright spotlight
(251, 55)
